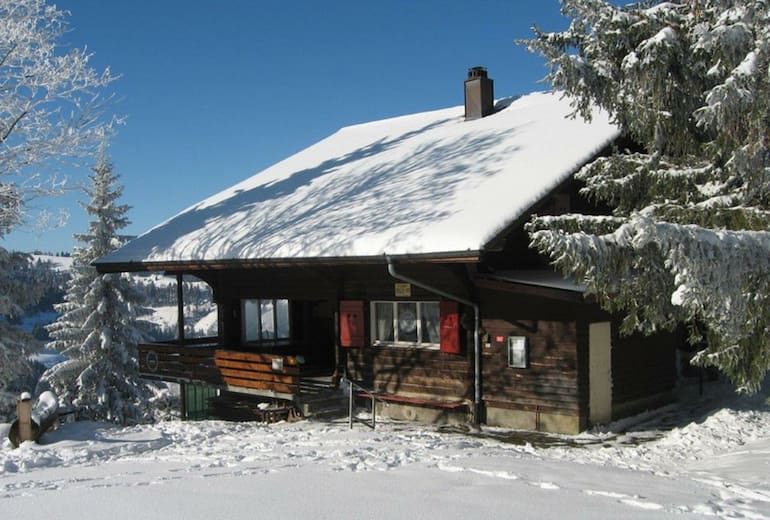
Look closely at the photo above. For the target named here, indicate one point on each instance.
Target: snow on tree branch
(688, 82)
(52, 103)
(53, 109)
(98, 327)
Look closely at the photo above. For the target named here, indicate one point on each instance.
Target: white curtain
(384, 321)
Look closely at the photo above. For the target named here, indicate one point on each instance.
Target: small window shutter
(450, 327)
(352, 331)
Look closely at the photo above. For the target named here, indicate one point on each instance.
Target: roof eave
(489, 281)
(172, 266)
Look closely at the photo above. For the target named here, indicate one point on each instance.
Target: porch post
(340, 364)
(180, 310)
(183, 400)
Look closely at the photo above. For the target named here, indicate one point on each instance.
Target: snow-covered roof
(425, 183)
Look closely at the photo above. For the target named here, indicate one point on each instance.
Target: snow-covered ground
(203, 318)
(708, 458)
(59, 263)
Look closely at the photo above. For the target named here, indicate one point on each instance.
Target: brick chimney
(479, 94)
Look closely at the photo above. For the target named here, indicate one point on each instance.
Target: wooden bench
(456, 406)
(233, 407)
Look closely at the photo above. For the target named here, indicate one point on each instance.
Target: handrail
(372, 396)
(207, 341)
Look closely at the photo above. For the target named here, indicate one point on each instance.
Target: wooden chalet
(393, 254)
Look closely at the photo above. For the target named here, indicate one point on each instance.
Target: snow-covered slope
(423, 183)
(691, 461)
(59, 263)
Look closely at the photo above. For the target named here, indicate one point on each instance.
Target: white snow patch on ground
(207, 325)
(678, 462)
(165, 315)
(203, 320)
(59, 263)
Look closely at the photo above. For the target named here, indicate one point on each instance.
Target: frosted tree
(98, 326)
(687, 82)
(51, 111)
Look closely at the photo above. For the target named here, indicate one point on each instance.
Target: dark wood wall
(312, 294)
(554, 381)
(416, 372)
(643, 366)
(511, 249)
(352, 281)
(316, 292)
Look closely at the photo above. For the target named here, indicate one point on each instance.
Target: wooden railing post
(350, 405)
(24, 414)
(180, 309)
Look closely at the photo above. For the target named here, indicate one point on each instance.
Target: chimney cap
(477, 72)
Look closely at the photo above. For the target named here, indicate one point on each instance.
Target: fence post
(374, 414)
(350, 404)
(24, 414)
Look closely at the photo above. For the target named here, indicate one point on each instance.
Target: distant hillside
(59, 263)
(159, 290)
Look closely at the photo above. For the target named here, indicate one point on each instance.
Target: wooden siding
(555, 380)
(412, 372)
(349, 282)
(583, 362)
(642, 366)
(218, 367)
(422, 373)
(549, 383)
(315, 293)
(374, 283)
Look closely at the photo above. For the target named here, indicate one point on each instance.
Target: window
(406, 323)
(265, 321)
(518, 356)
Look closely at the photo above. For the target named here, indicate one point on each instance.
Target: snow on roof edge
(568, 172)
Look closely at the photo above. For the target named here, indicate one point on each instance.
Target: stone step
(328, 403)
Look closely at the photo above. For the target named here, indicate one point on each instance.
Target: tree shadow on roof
(322, 210)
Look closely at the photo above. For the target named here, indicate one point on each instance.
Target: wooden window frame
(520, 344)
(418, 318)
(263, 342)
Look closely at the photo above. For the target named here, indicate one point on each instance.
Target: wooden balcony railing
(259, 373)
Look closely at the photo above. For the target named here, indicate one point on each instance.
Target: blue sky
(216, 91)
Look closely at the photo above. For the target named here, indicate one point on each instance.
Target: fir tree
(688, 242)
(97, 329)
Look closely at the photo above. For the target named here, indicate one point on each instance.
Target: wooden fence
(261, 373)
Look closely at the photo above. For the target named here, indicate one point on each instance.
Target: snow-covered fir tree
(98, 327)
(687, 82)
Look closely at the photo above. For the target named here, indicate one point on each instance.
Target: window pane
(250, 324)
(430, 317)
(267, 319)
(407, 322)
(383, 312)
(282, 318)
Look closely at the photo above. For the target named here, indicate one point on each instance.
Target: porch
(203, 362)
